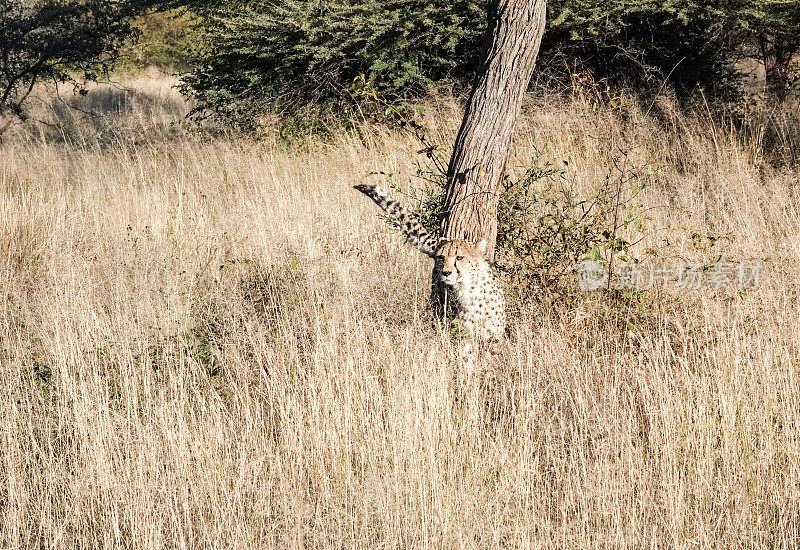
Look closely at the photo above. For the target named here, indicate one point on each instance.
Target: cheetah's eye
(459, 258)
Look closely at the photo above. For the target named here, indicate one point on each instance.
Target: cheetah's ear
(480, 248)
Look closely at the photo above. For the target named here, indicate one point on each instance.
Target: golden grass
(217, 343)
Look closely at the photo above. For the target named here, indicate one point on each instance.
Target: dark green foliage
(688, 44)
(358, 56)
(57, 41)
(269, 54)
(166, 39)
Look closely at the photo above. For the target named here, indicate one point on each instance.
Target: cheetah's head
(457, 260)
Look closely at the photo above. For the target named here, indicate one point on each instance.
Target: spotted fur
(463, 286)
(417, 235)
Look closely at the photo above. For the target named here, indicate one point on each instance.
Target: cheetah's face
(458, 259)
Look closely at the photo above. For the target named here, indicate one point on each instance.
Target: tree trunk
(478, 163)
(777, 56)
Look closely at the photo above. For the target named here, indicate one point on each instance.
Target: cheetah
(464, 286)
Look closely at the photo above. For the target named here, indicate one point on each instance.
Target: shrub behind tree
(265, 54)
(285, 54)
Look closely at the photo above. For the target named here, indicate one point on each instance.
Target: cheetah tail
(413, 230)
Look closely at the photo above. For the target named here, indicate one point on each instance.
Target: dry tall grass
(217, 343)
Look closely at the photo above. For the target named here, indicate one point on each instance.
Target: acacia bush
(356, 57)
(166, 39)
(269, 54)
(687, 44)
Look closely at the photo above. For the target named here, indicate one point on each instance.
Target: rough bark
(481, 149)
